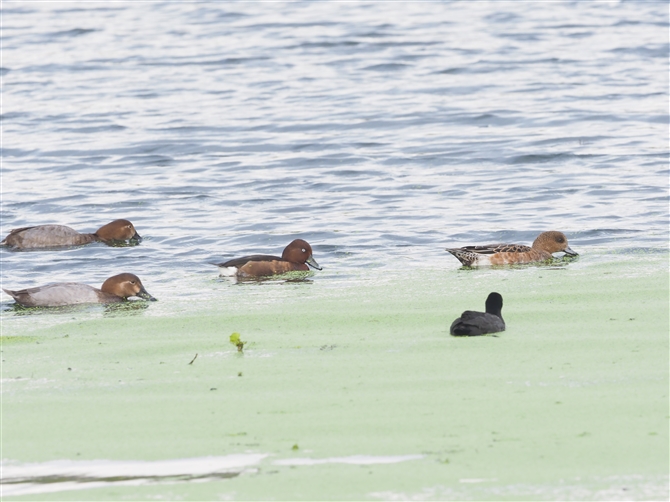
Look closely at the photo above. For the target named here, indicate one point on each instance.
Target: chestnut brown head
(299, 251)
(553, 242)
(125, 286)
(118, 231)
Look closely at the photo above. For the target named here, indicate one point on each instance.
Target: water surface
(381, 136)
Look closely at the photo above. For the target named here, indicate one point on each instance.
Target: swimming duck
(480, 323)
(296, 256)
(114, 290)
(50, 236)
(542, 249)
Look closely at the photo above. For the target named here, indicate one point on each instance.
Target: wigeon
(542, 249)
(296, 256)
(480, 323)
(114, 290)
(51, 236)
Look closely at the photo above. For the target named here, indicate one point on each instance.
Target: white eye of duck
(304, 250)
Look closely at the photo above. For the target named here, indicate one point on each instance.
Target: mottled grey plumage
(118, 232)
(480, 323)
(63, 293)
(114, 290)
(44, 236)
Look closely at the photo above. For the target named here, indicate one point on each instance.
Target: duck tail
(463, 256)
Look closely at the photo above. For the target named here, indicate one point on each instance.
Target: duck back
(46, 236)
(238, 262)
(60, 294)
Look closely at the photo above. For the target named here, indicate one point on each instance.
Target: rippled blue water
(381, 133)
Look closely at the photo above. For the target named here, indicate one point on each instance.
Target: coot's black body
(480, 323)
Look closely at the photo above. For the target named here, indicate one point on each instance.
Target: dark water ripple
(376, 134)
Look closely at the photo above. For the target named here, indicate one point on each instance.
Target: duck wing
(17, 230)
(56, 295)
(239, 262)
(44, 236)
(10, 240)
(498, 248)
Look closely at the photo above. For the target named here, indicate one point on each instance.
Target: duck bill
(143, 293)
(136, 238)
(312, 263)
(570, 252)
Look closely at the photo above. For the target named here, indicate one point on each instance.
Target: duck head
(299, 251)
(125, 286)
(118, 230)
(553, 242)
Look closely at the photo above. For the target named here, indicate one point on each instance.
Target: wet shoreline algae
(350, 387)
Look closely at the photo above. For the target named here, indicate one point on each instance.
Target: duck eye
(132, 282)
(304, 250)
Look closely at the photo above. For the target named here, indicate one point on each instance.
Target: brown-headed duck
(542, 249)
(296, 256)
(114, 290)
(52, 236)
(480, 323)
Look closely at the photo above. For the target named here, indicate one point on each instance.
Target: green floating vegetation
(235, 340)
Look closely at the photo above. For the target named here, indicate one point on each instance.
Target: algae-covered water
(381, 133)
(355, 393)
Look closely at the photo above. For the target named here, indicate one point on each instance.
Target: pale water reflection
(64, 475)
